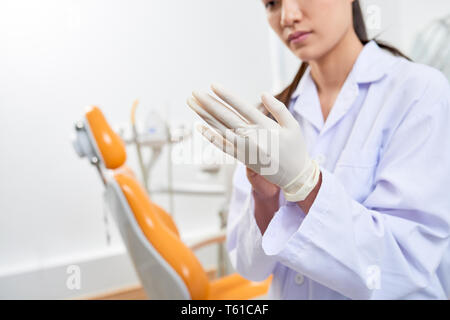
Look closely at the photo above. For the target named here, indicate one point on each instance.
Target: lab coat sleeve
(390, 245)
(243, 234)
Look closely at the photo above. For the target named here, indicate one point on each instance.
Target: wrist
(306, 204)
(265, 208)
(302, 185)
(261, 197)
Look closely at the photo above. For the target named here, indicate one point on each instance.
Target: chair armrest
(217, 238)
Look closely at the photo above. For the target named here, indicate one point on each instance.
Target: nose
(291, 13)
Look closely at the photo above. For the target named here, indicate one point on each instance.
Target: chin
(305, 54)
(310, 52)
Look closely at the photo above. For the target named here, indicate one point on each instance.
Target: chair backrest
(167, 257)
(167, 268)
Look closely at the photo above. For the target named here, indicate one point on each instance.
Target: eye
(270, 4)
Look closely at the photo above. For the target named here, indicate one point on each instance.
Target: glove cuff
(303, 184)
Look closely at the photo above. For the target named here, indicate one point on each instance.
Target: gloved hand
(274, 149)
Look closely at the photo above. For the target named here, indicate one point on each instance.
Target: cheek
(332, 19)
(274, 21)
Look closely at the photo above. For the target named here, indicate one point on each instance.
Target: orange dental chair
(166, 267)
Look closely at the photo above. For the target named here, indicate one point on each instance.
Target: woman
(358, 206)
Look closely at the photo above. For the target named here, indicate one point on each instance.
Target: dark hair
(360, 29)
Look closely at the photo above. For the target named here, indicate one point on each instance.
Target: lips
(297, 35)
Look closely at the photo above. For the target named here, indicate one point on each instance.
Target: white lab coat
(379, 227)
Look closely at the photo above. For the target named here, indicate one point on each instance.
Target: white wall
(58, 56)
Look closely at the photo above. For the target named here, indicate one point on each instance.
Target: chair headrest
(100, 141)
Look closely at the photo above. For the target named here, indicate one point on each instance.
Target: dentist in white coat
(359, 206)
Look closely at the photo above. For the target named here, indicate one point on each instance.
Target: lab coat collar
(370, 66)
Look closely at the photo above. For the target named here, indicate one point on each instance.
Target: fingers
(219, 110)
(227, 134)
(251, 173)
(251, 113)
(213, 122)
(240, 148)
(216, 139)
(278, 110)
(249, 142)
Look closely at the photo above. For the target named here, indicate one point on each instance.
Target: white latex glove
(238, 127)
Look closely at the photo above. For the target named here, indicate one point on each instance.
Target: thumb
(250, 172)
(279, 111)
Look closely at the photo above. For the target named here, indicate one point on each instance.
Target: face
(310, 28)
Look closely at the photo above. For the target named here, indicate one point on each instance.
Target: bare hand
(263, 189)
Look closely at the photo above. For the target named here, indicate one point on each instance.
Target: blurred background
(59, 56)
